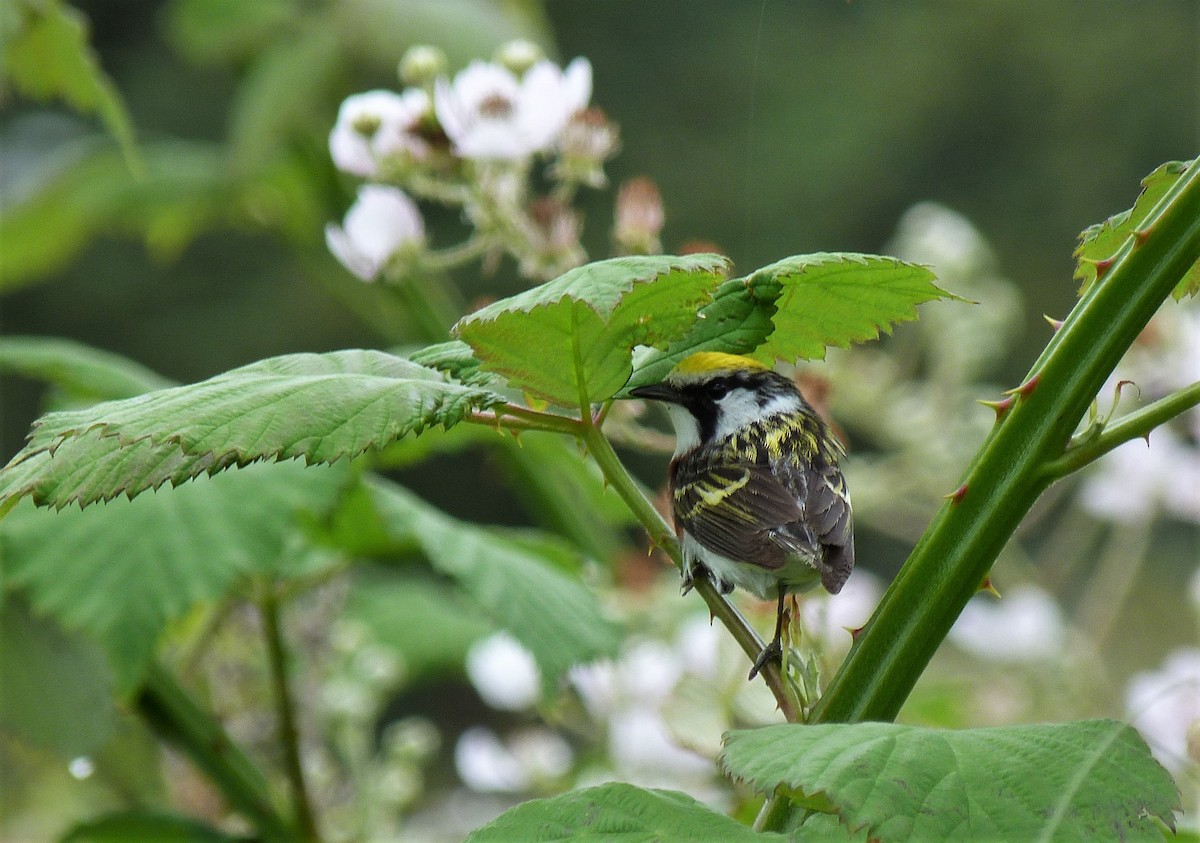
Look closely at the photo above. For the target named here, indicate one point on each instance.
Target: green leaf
(142, 826)
(321, 407)
(120, 572)
(456, 360)
(838, 299)
(1083, 781)
(1100, 242)
(48, 57)
(797, 307)
(736, 321)
(616, 811)
(84, 374)
(571, 340)
(48, 676)
(522, 590)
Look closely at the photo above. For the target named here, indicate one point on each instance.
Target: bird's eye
(718, 389)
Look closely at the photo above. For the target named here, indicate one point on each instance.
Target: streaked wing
(734, 510)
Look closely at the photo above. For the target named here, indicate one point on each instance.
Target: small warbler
(758, 498)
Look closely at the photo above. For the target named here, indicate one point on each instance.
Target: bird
(757, 493)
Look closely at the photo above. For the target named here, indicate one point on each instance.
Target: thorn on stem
(855, 632)
(989, 587)
(1001, 407)
(1141, 235)
(1026, 389)
(1055, 324)
(957, 495)
(1103, 266)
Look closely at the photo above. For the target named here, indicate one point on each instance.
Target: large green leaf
(1101, 241)
(797, 307)
(47, 56)
(520, 588)
(121, 571)
(47, 677)
(840, 299)
(616, 811)
(572, 338)
(321, 407)
(80, 372)
(1090, 780)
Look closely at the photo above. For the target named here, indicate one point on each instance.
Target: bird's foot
(697, 570)
(773, 652)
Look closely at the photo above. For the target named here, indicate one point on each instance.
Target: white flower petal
(381, 222)
(349, 148)
(504, 673)
(1163, 704)
(486, 765)
(1025, 625)
(577, 85)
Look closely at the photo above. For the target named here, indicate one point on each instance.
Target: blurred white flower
(698, 645)
(374, 125)
(382, 222)
(830, 619)
(649, 671)
(490, 114)
(639, 741)
(487, 764)
(934, 234)
(1164, 705)
(1134, 482)
(1025, 625)
(81, 768)
(504, 673)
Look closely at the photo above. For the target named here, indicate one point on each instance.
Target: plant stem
(285, 713)
(663, 536)
(1132, 426)
(172, 714)
(1009, 473)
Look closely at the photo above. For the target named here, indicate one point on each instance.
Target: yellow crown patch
(713, 361)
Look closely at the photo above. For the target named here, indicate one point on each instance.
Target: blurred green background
(772, 128)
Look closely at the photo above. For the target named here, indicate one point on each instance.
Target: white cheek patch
(740, 408)
(687, 430)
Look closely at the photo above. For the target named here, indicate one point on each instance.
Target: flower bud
(519, 55)
(639, 217)
(421, 64)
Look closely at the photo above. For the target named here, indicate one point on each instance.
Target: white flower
(640, 741)
(486, 765)
(489, 765)
(382, 222)
(1025, 625)
(830, 618)
(1164, 704)
(504, 673)
(1133, 482)
(377, 124)
(489, 114)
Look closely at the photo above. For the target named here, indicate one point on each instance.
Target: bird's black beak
(658, 392)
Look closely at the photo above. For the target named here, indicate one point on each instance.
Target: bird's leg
(774, 650)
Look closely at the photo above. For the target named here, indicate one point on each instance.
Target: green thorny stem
(1028, 449)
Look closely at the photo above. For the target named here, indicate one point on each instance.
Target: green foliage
(616, 811)
(48, 676)
(515, 584)
(570, 341)
(122, 571)
(1102, 241)
(797, 307)
(142, 826)
(1083, 781)
(80, 373)
(321, 407)
(47, 56)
